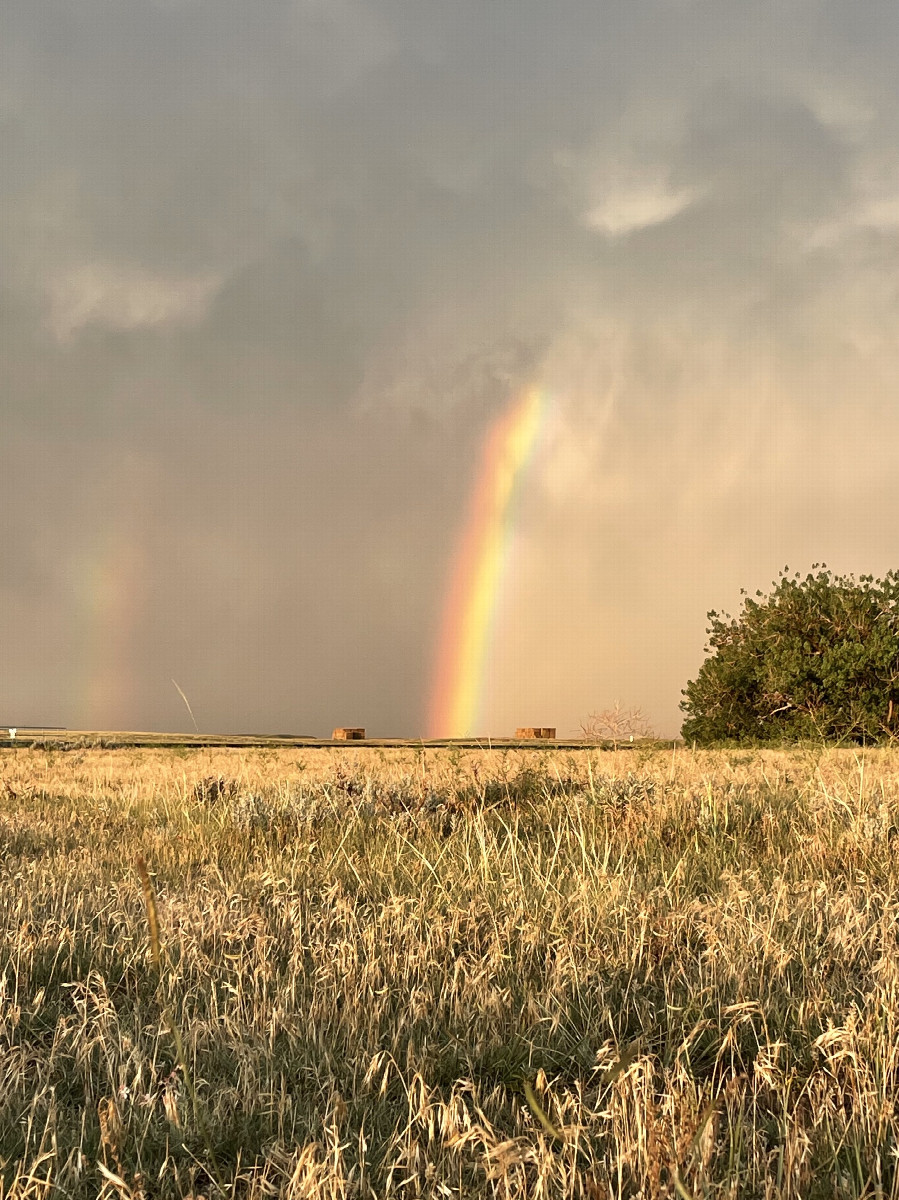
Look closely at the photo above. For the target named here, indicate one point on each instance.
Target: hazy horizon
(271, 274)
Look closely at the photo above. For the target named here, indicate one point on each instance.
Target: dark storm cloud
(270, 270)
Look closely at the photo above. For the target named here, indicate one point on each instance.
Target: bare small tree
(617, 724)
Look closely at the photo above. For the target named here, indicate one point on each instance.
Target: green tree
(817, 658)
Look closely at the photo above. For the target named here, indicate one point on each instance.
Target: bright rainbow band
(479, 567)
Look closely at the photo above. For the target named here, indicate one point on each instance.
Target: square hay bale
(347, 734)
(525, 732)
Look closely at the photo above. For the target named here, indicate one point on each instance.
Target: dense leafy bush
(817, 658)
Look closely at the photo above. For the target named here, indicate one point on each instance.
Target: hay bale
(526, 732)
(346, 734)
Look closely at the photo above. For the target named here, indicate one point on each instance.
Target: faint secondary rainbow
(479, 567)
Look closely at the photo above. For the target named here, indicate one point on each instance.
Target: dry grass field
(399, 973)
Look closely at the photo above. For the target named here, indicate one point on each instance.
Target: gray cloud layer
(269, 272)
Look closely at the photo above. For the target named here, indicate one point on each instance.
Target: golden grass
(431, 973)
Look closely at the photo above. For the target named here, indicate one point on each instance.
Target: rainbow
(478, 569)
(111, 582)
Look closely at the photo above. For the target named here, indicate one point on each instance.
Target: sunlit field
(400, 973)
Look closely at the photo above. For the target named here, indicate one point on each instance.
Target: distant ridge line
(66, 739)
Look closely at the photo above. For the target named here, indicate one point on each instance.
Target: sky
(271, 272)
